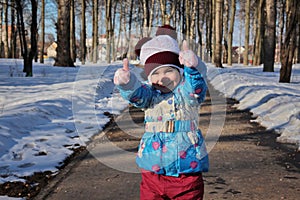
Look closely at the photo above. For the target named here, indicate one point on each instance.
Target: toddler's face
(165, 79)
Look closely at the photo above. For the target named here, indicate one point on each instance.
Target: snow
(45, 117)
(274, 105)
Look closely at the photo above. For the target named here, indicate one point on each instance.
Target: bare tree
(289, 45)
(281, 23)
(113, 49)
(192, 36)
(63, 57)
(95, 32)
(72, 31)
(146, 17)
(247, 32)
(83, 33)
(257, 60)
(108, 21)
(42, 31)
(218, 33)
(270, 36)
(166, 14)
(225, 25)
(5, 35)
(28, 55)
(230, 33)
(187, 27)
(1, 46)
(201, 20)
(13, 33)
(147, 12)
(209, 27)
(298, 34)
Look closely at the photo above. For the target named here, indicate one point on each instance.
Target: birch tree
(165, 14)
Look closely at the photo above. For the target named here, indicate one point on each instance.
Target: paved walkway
(246, 162)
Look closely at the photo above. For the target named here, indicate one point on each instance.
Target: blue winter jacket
(172, 143)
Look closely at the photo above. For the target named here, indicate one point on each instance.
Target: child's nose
(163, 80)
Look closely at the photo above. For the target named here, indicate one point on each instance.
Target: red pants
(184, 187)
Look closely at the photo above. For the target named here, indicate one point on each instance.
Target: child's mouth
(158, 85)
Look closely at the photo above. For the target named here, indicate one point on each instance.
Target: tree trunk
(72, 31)
(257, 60)
(183, 22)
(112, 33)
(129, 28)
(83, 33)
(247, 27)
(226, 15)
(162, 10)
(13, 34)
(218, 33)
(63, 57)
(33, 38)
(21, 29)
(187, 20)
(230, 33)
(199, 30)
(42, 31)
(95, 32)
(289, 45)
(1, 46)
(5, 35)
(281, 26)
(146, 11)
(270, 36)
(28, 57)
(298, 34)
(213, 13)
(208, 30)
(108, 22)
(151, 17)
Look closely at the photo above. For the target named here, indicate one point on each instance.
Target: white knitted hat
(161, 50)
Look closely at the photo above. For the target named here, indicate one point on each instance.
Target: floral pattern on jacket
(172, 143)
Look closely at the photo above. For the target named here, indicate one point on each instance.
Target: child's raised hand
(187, 57)
(122, 75)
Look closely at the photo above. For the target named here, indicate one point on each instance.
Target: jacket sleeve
(201, 67)
(136, 93)
(195, 86)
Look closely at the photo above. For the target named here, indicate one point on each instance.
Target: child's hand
(187, 57)
(122, 76)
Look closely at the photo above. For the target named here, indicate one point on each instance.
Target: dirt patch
(33, 184)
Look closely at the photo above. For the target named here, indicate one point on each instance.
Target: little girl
(172, 153)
